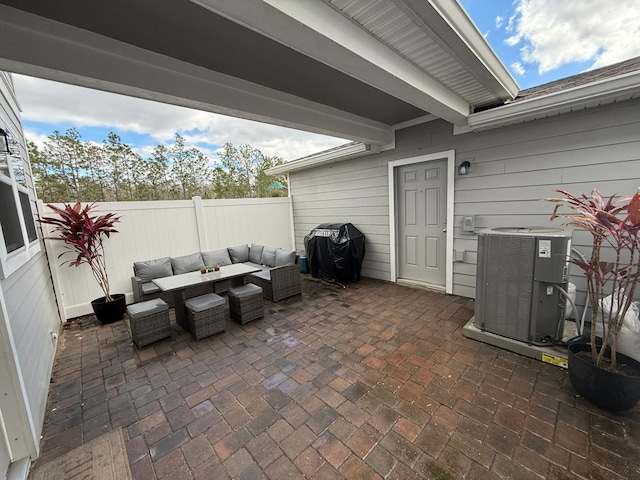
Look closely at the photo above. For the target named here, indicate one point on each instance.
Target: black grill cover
(335, 252)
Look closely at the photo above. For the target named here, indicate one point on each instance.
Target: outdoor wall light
(464, 167)
(4, 142)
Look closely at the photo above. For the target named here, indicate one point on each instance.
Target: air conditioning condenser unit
(518, 274)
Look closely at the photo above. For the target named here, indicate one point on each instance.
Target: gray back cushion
(255, 253)
(269, 256)
(239, 254)
(285, 257)
(217, 257)
(187, 263)
(150, 269)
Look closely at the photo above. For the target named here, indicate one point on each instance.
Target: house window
(27, 214)
(9, 219)
(18, 242)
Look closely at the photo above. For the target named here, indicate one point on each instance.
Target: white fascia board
(604, 91)
(36, 46)
(334, 155)
(345, 152)
(464, 28)
(313, 28)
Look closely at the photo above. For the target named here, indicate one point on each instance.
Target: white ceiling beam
(36, 46)
(313, 28)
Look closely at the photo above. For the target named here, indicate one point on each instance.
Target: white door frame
(450, 157)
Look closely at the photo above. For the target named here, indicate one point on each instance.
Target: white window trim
(11, 262)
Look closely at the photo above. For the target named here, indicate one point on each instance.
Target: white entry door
(421, 221)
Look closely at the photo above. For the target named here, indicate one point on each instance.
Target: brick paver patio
(374, 381)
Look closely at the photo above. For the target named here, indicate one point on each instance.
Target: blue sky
(484, 14)
(538, 41)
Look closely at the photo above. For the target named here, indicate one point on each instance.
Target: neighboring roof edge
(601, 92)
(590, 76)
(336, 154)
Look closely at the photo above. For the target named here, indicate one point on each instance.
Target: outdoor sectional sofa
(279, 274)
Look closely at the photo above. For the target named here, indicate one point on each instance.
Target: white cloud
(38, 139)
(52, 102)
(552, 33)
(517, 68)
(499, 21)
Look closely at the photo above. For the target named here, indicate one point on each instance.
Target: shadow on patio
(374, 381)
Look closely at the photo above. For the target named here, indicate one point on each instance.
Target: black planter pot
(109, 312)
(611, 391)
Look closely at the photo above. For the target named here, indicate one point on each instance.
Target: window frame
(10, 262)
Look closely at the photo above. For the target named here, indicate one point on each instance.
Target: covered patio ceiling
(355, 69)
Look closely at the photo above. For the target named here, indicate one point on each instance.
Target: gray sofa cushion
(150, 269)
(187, 263)
(255, 253)
(216, 257)
(149, 288)
(204, 302)
(239, 254)
(264, 274)
(245, 291)
(150, 307)
(269, 256)
(256, 265)
(285, 257)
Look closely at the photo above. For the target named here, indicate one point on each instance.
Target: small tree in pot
(614, 225)
(84, 236)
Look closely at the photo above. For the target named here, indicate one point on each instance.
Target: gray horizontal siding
(33, 314)
(348, 192)
(513, 170)
(574, 152)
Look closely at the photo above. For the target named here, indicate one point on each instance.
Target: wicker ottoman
(245, 303)
(206, 315)
(149, 321)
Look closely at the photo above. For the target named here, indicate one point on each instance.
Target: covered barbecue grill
(335, 252)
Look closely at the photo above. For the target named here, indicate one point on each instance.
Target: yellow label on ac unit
(554, 360)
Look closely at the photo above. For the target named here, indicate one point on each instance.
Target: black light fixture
(4, 145)
(464, 167)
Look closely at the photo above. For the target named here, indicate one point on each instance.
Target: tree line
(66, 169)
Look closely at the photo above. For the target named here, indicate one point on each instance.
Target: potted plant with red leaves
(606, 377)
(83, 235)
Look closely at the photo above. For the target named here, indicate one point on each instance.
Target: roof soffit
(312, 50)
(319, 31)
(35, 45)
(185, 31)
(439, 40)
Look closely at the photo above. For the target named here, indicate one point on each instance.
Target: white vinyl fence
(156, 229)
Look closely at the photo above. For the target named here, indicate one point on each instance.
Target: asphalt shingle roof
(580, 79)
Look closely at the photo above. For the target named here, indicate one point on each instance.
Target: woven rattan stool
(149, 321)
(245, 303)
(206, 315)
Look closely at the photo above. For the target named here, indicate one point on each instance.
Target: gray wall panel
(33, 314)
(513, 169)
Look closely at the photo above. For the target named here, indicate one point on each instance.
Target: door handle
(444, 229)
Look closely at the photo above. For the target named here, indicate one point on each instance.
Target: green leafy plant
(613, 267)
(83, 236)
